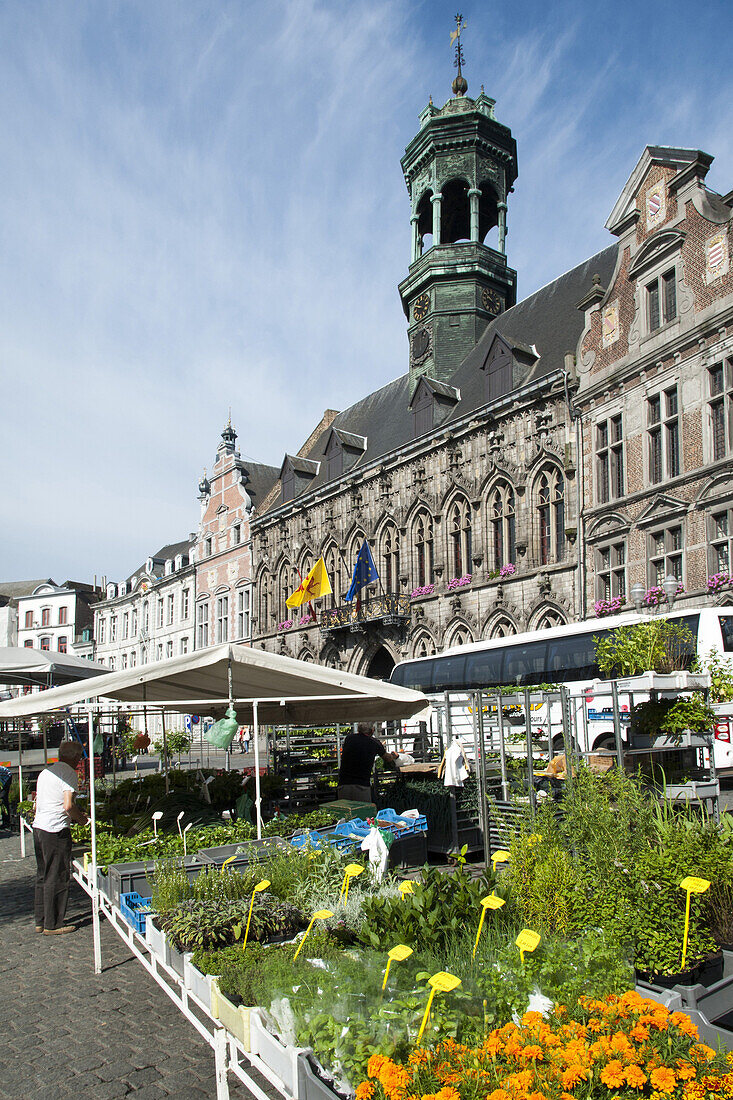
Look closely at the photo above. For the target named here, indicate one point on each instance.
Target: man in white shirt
(55, 810)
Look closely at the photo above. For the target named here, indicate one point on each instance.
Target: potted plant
(671, 723)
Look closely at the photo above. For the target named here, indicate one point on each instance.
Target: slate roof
(548, 321)
(261, 479)
(14, 589)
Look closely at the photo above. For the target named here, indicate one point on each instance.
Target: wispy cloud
(202, 205)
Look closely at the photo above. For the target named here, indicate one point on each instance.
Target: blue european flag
(365, 571)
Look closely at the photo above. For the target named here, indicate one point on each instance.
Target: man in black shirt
(358, 753)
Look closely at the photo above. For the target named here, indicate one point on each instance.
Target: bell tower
(459, 169)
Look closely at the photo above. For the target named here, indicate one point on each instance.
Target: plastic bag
(221, 734)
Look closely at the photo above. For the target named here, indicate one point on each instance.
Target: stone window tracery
(502, 511)
(459, 537)
(551, 515)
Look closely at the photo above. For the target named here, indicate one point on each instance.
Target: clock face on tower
(420, 307)
(491, 300)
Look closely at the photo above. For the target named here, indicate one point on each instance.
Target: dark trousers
(5, 805)
(53, 870)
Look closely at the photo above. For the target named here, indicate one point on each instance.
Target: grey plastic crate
(310, 1085)
(245, 852)
(126, 878)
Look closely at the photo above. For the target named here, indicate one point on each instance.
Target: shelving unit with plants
(306, 761)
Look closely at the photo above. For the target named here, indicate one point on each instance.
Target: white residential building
(57, 617)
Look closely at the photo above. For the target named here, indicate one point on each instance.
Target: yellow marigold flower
(635, 1077)
(685, 1071)
(613, 1074)
(663, 1079)
(365, 1091)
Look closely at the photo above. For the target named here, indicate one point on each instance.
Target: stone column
(436, 201)
(415, 238)
(501, 207)
(474, 195)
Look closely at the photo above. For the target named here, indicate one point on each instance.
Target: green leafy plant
(720, 670)
(658, 645)
(213, 923)
(672, 716)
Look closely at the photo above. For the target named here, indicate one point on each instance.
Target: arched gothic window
(551, 515)
(391, 559)
(333, 568)
(424, 646)
(550, 618)
(502, 628)
(459, 537)
(502, 514)
(264, 603)
(423, 538)
(461, 637)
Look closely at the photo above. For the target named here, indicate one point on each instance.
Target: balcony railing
(386, 610)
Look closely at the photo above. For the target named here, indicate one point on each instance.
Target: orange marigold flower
(520, 1080)
(531, 1052)
(639, 1033)
(702, 1053)
(663, 1079)
(684, 1024)
(635, 1077)
(612, 1075)
(493, 1044)
(572, 1075)
(428, 1096)
(530, 1018)
(375, 1063)
(595, 1025)
(536, 1096)
(685, 1071)
(448, 1093)
(365, 1091)
(499, 1094)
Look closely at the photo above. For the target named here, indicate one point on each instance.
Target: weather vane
(460, 86)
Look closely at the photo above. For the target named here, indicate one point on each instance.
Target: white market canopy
(21, 665)
(285, 691)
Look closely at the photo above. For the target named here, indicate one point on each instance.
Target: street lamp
(669, 584)
(637, 594)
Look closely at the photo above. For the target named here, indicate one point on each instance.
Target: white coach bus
(565, 655)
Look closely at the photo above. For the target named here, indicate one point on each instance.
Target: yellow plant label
(262, 885)
(694, 885)
(527, 940)
(353, 869)
(406, 887)
(444, 982)
(399, 953)
(323, 914)
(492, 902)
(501, 856)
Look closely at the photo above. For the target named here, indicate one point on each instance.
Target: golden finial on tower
(460, 84)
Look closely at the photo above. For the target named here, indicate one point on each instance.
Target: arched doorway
(381, 665)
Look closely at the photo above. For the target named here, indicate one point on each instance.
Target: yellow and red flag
(315, 584)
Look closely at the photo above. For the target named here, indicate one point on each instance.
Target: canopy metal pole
(502, 748)
(231, 705)
(20, 786)
(165, 753)
(93, 815)
(258, 800)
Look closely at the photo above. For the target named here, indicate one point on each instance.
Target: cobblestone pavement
(66, 1033)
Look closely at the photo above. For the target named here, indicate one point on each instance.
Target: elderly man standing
(55, 810)
(358, 753)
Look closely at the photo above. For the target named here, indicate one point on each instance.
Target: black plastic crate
(409, 851)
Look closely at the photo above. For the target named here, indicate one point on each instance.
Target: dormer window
(149, 567)
(662, 300)
(178, 564)
(123, 589)
(334, 458)
(296, 474)
(111, 592)
(168, 567)
(207, 547)
(431, 404)
(508, 363)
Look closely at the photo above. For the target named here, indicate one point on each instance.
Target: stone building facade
(149, 616)
(536, 457)
(655, 402)
(223, 549)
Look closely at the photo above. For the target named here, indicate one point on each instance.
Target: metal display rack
(303, 757)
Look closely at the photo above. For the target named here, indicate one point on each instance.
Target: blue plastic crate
(135, 910)
(400, 825)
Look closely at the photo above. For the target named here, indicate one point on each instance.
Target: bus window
(417, 675)
(726, 629)
(525, 665)
(484, 669)
(571, 658)
(449, 673)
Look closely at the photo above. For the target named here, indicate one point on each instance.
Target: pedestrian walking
(55, 810)
(6, 778)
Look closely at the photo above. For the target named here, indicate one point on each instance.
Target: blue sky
(201, 205)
